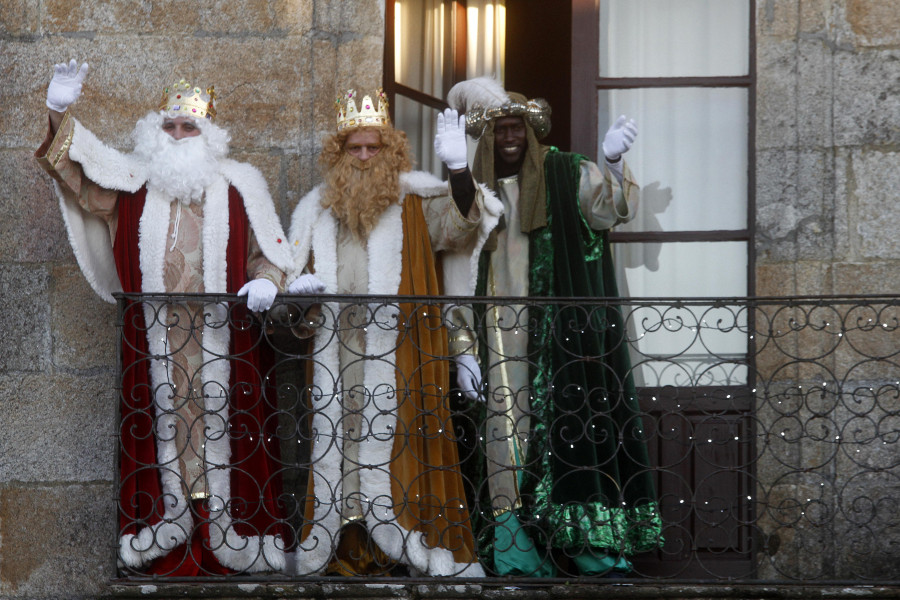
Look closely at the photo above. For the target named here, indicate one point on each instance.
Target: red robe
(254, 473)
(239, 467)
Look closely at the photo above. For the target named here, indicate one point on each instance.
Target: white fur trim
(313, 232)
(241, 553)
(300, 232)
(89, 235)
(215, 237)
(89, 238)
(316, 550)
(91, 243)
(105, 166)
(249, 181)
(422, 184)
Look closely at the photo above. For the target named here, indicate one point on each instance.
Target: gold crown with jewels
(182, 100)
(368, 114)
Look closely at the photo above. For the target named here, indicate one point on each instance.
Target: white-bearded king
(199, 477)
(386, 488)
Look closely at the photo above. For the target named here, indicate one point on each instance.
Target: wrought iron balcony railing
(743, 438)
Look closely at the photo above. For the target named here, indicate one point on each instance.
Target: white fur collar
(313, 233)
(115, 170)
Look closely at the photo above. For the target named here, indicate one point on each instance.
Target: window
(683, 70)
(432, 45)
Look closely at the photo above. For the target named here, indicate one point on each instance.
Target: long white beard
(181, 169)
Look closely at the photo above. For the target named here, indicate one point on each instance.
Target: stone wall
(828, 180)
(828, 136)
(276, 66)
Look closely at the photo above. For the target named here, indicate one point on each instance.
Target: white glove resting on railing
(260, 294)
(306, 284)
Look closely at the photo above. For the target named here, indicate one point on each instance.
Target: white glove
(306, 284)
(468, 376)
(619, 138)
(450, 139)
(65, 87)
(260, 294)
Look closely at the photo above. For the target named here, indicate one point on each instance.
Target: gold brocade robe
(410, 492)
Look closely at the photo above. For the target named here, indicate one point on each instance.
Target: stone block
(21, 18)
(350, 18)
(814, 92)
(359, 61)
(57, 427)
(777, 95)
(795, 515)
(209, 17)
(776, 215)
(776, 279)
(866, 98)
(258, 99)
(845, 206)
(294, 17)
(776, 18)
(787, 18)
(876, 177)
(814, 15)
(874, 22)
(27, 69)
(798, 278)
(31, 227)
(817, 204)
(84, 326)
(326, 87)
(25, 319)
(23, 122)
(794, 218)
(57, 540)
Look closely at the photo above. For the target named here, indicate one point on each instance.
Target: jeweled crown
(183, 100)
(369, 113)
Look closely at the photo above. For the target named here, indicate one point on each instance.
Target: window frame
(454, 56)
(587, 83)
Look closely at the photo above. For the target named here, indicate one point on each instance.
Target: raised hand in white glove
(260, 294)
(619, 138)
(65, 87)
(307, 284)
(450, 139)
(468, 376)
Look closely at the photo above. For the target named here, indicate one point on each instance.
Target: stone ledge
(420, 589)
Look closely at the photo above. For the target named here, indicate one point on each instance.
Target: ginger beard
(358, 192)
(183, 168)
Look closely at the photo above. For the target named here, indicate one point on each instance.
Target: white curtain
(674, 38)
(423, 35)
(690, 159)
(486, 38)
